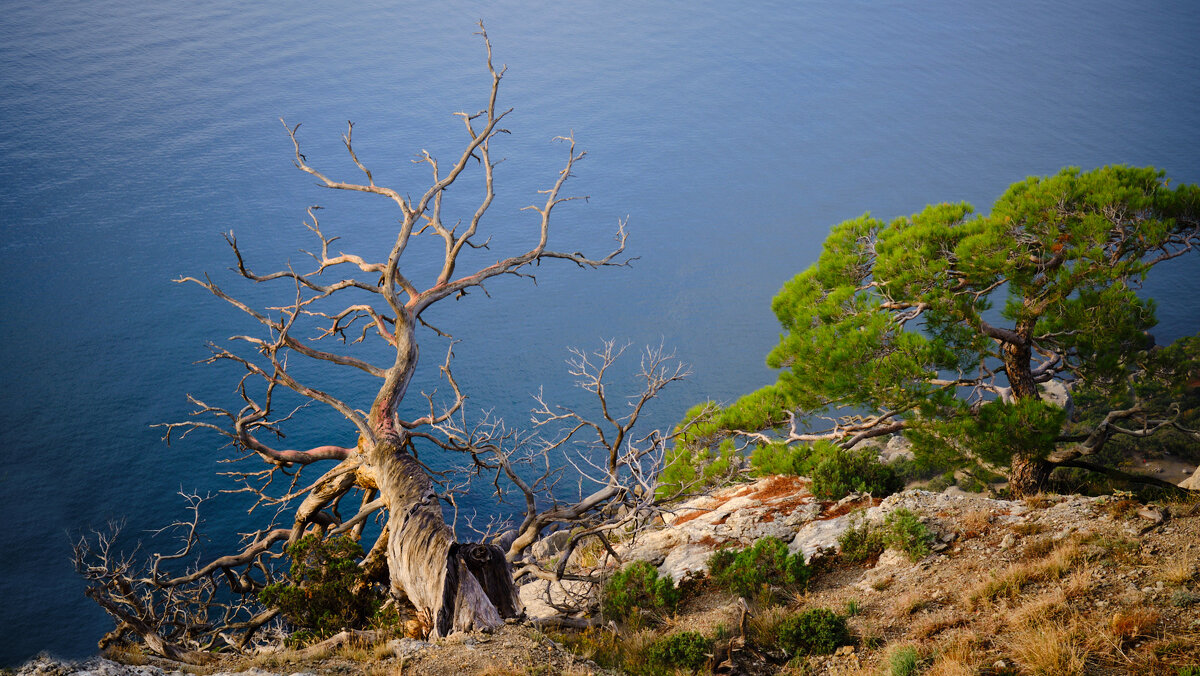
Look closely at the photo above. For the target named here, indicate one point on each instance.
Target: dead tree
(345, 299)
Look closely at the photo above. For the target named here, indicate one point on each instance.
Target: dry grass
(765, 623)
(1037, 548)
(1039, 501)
(959, 657)
(1048, 649)
(937, 623)
(1131, 623)
(1012, 581)
(882, 583)
(974, 523)
(1179, 572)
(911, 602)
(1122, 509)
(1027, 528)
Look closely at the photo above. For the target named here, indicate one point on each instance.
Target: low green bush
(327, 591)
(814, 632)
(860, 542)
(767, 563)
(685, 650)
(902, 530)
(771, 459)
(837, 472)
(636, 592)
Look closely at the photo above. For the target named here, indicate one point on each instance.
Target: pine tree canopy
(948, 325)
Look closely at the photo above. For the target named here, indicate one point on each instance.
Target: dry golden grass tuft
(962, 656)
(1048, 649)
(1039, 501)
(974, 523)
(1122, 509)
(910, 603)
(1131, 623)
(1179, 572)
(937, 623)
(1027, 528)
(764, 624)
(1037, 548)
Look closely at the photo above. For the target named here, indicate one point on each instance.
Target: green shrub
(636, 591)
(778, 459)
(1192, 670)
(765, 564)
(818, 631)
(327, 591)
(860, 542)
(836, 472)
(903, 530)
(685, 650)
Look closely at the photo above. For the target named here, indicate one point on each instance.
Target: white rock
(562, 593)
(1192, 483)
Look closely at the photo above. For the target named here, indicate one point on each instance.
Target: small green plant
(904, 662)
(853, 608)
(327, 591)
(1190, 670)
(903, 530)
(637, 592)
(1182, 598)
(836, 472)
(860, 542)
(814, 632)
(685, 650)
(766, 564)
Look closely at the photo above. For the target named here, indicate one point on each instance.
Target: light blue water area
(732, 135)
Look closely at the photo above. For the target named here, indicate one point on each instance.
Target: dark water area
(733, 137)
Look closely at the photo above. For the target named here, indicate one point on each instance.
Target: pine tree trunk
(1028, 476)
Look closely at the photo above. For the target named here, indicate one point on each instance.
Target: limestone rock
(541, 596)
(1192, 483)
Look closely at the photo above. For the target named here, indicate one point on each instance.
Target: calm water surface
(133, 134)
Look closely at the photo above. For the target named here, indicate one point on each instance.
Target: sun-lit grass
(1013, 580)
(1048, 649)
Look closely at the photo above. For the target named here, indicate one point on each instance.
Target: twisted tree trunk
(454, 586)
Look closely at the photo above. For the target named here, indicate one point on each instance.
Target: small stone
(1008, 541)
(1000, 664)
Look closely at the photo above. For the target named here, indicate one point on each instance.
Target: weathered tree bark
(438, 575)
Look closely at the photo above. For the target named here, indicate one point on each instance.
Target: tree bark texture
(441, 577)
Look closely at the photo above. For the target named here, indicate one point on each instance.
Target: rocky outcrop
(1192, 483)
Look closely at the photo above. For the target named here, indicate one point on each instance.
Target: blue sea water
(132, 134)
